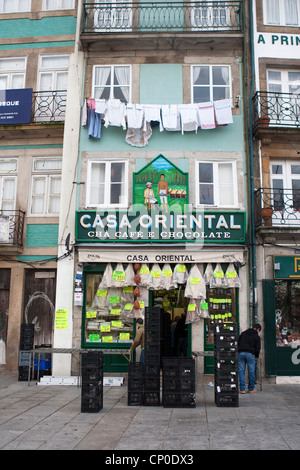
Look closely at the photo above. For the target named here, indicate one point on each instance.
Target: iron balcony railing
(276, 109)
(11, 227)
(162, 16)
(48, 106)
(277, 207)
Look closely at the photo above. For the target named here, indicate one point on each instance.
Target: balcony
(277, 208)
(11, 229)
(48, 111)
(160, 17)
(276, 110)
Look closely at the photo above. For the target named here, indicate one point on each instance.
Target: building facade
(37, 39)
(276, 179)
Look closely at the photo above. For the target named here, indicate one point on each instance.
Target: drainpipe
(254, 318)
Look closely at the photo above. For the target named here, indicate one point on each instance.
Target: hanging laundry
(107, 277)
(100, 106)
(218, 279)
(206, 115)
(152, 113)
(115, 114)
(189, 117)
(84, 114)
(180, 273)
(94, 124)
(223, 112)
(135, 115)
(91, 103)
(170, 117)
(232, 277)
(195, 285)
(139, 137)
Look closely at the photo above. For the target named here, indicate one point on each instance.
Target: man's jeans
(248, 359)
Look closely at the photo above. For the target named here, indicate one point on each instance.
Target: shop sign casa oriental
(137, 225)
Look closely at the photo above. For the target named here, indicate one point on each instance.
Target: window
(285, 192)
(283, 100)
(216, 184)
(107, 184)
(212, 16)
(12, 73)
(210, 83)
(14, 6)
(287, 298)
(281, 12)
(113, 15)
(46, 186)
(8, 184)
(58, 4)
(112, 81)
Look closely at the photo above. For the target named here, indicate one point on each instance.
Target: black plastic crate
(229, 354)
(135, 384)
(229, 365)
(26, 344)
(135, 399)
(151, 384)
(152, 398)
(186, 369)
(152, 369)
(27, 329)
(170, 399)
(226, 388)
(227, 400)
(151, 357)
(91, 374)
(91, 405)
(225, 340)
(226, 328)
(226, 377)
(187, 400)
(91, 358)
(170, 384)
(24, 358)
(23, 373)
(135, 370)
(187, 385)
(92, 390)
(152, 336)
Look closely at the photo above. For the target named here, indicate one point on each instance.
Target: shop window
(12, 73)
(221, 308)
(45, 186)
(210, 83)
(281, 12)
(216, 184)
(107, 184)
(112, 82)
(14, 6)
(287, 301)
(106, 321)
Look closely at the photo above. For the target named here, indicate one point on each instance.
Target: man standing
(139, 338)
(249, 348)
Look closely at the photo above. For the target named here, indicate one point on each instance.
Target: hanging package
(144, 275)
(208, 274)
(193, 311)
(232, 277)
(167, 280)
(107, 277)
(180, 274)
(155, 277)
(218, 279)
(129, 276)
(195, 285)
(118, 277)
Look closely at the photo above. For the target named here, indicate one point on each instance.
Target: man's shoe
(252, 391)
(241, 391)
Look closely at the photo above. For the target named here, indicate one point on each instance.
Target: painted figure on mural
(162, 192)
(150, 201)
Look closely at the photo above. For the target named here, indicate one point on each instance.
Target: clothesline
(138, 119)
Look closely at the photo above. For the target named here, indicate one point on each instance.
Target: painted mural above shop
(161, 185)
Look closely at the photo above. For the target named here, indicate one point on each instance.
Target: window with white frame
(14, 6)
(210, 83)
(58, 4)
(112, 81)
(216, 183)
(107, 184)
(281, 12)
(12, 73)
(45, 186)
(8, 184)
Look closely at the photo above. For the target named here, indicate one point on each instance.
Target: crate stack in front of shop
(152, 355)
(92, 381)
(226, 365)
(179, 382)
(26, 344)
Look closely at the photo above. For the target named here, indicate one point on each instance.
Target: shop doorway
(39, 301)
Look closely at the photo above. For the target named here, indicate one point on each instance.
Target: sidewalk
(38, 417)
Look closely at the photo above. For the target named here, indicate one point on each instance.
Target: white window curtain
(14, 6)
(54, 194)
(8, 194)
(291, 12)
(226, 186)
(122, 75)
(38, 195)
(107, 184)
(102, 75)
(272, 11)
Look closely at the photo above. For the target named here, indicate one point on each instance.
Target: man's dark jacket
(249, 341)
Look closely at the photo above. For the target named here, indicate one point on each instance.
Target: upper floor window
(8, 183)
(216, 184)
(107, 184)
(12, 73)
(45, 186)
(112, 81)
(58, 4)
(210, 83)
(281, 12)
(14, 6)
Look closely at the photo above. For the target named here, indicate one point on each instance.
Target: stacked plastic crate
(26, 344)
(92, 382)
(179, 382)
(226, 365)
(152, 350)
(135, 384)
